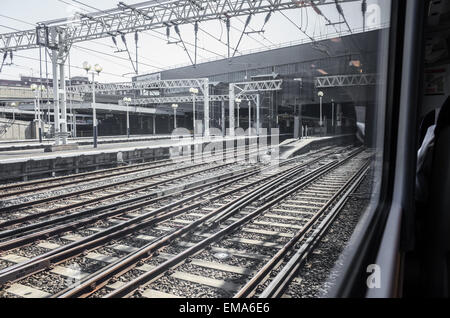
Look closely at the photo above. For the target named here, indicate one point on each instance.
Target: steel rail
(71, 206)
(34, 182)
(282, 280)
(152, 198)
(249, 289)
(77, 175)
(43, 261)
(110, 185)
(156, 272)
(99, 279)
(130, 169)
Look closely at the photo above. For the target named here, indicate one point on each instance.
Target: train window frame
(384, 231)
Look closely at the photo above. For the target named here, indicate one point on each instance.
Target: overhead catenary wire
(247, 22)
(295, 24)
(155, 31)
(118, 57)
(17, 20)
(77, 67)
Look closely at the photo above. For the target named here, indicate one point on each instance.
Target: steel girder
(346, 80)
(250, 87)
(257, 86)
(140, 85)
(143, 16)
(184, 99)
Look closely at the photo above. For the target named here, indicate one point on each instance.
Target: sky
(154, 52)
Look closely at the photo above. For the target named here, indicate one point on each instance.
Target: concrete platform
(27, 144)
(294, 147)
(22, 165)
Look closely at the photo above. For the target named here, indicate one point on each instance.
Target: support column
(55, 95)
(206, 108)
(224, 126)
(231, 109)
(258, 124)
(74, 120)
(63, 99)
(154, 124)
(249, 117)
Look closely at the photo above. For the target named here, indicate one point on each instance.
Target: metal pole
(35, 111)
(94, 113)
(301, 119)
(206, 107)
(72, 124)
(174, 118)
(231, 109)
(228, 36)
(40, 92)
(249, 118)
(320, 121)
(224, 127)
(62, 82)
(55, 95)
(193, 112)
(332, 114)
(257, 114)
(136, 39)
(39, 113)
(128, 120)
(237, 120)
(154, 124)
(74, 119)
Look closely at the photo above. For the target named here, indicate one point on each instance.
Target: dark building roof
(330, 56)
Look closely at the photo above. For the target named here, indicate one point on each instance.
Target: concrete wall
(63, 165)
(19, 130)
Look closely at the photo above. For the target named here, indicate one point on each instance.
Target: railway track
(15, 189)
(134, 187)
(106, 258)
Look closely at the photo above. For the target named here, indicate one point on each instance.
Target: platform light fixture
(37, 108)
(320, 94)
(97, 70)
(238, 103)
(127, 101)
(174, 107)
(14, 105)
(194, 92)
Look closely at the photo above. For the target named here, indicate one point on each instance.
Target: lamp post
(238, 102)
(127, 101)
(332, 114)
(14, 105)
(97, 68)
(174, 107)
(37, 109)
(320, 94)
(194, 92)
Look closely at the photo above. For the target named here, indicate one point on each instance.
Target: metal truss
(185, 99)
(257, 86)
(250, 87)
(346, 80)
(140, 85)
(143, 16)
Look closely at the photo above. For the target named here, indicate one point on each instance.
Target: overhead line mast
(59, 35)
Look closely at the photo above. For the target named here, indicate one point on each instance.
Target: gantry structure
(60, 34)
